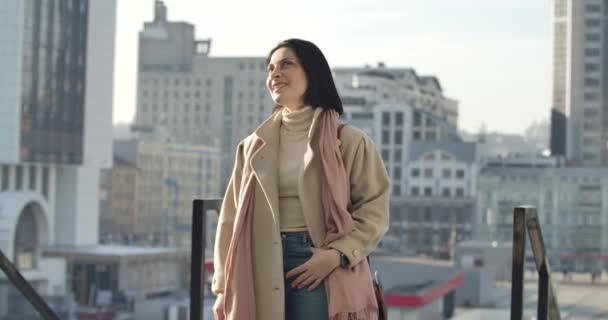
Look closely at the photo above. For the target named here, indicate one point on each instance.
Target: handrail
(525, 218)
(26, 289)
(197, 255)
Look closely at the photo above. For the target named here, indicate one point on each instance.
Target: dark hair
(321, 90)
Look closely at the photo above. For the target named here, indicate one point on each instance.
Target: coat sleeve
(369, 199)
(223, 233)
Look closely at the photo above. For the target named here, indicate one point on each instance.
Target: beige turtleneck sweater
(293, 143)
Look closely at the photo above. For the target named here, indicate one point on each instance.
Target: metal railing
(525, 218)
(17, 280)
(197, 268)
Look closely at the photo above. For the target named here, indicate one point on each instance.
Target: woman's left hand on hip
(316, 269)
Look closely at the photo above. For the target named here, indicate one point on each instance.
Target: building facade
(568, 200)
(194, 97)
(165, 179)
(580, 81)
(433, 172)
(55, 129)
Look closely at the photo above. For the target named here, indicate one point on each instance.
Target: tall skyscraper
(56, 78)
(579, 117)
(193, 97)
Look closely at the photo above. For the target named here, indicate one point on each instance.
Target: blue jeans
(301, 304)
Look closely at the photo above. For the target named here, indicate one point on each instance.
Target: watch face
(343, 260)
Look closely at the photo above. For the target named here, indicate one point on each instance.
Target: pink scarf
(351, 293)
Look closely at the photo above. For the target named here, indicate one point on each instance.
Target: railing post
(525, 218)
(519, 251)
(15, 277)
(197, 256)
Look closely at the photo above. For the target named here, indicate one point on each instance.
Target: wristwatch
(344, 263)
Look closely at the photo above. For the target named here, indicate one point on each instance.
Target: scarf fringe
(369, 313)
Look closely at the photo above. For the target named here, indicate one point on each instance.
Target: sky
(493, 56)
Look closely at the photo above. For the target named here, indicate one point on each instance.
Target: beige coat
(368, 204)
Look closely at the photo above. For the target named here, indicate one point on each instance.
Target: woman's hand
(313, 272)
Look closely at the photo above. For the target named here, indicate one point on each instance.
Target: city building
(118, 197)
(580, 81)
(568, 200)
(56, 86)
(153, 185)
(433, 171)
(121, 276)
(194, 97)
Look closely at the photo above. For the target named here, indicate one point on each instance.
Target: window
(428, 191)
(415, 172)
(447, 174)
(590, 113)
(592, 82)
(45, 182)
(397, 173)
(460, 174)
(592, 96)
(447, 192)
(592, 52)
(385, 154)
(593, 8)
(397, 155)
(386, 118)
(397, 189)
(32, 182)
(385, 137)
(417, 119)
(591, 23)
(399, 118)
(19, 177)
(593, 37)
(417, 135)
(460, 192)
(428, 173)
(415, 191)
(398, 137)
(5, 177)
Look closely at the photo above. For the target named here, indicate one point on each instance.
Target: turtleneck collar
(297, 121)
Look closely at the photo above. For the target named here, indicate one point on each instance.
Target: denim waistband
(300, 236)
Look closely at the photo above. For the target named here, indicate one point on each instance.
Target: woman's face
(286, 79)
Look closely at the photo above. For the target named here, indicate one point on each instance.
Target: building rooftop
(415, 282)
(463, 151)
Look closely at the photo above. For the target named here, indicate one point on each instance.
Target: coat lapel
(264, 162)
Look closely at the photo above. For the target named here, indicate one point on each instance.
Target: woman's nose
(275, 73)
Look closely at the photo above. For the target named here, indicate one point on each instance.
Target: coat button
(356, 253)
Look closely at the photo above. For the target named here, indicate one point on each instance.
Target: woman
(303, 209)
